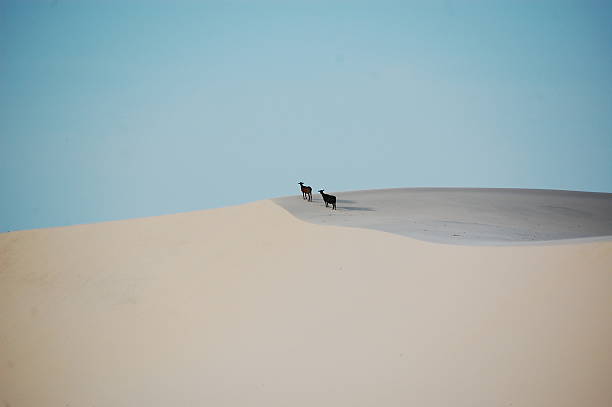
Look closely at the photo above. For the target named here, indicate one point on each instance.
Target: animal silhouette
(329, 199)
(306, 191)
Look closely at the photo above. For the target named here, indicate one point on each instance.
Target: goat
(306, 191)
(329, 199)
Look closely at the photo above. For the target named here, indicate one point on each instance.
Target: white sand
(466, 215)
(250, 306)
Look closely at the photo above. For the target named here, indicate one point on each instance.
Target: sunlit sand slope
(250, 306)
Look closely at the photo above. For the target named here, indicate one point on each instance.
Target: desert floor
(249, 305)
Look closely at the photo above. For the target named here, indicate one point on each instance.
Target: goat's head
(321, 190)
(301, 183)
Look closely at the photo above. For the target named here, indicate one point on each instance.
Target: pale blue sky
(121, 109)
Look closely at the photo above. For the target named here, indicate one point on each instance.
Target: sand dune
(481, 216)
(249, 305)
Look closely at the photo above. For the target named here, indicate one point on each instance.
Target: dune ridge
(249, 305)
(468, 216)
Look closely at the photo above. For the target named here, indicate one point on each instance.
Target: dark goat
(329, 199)
(306, 191)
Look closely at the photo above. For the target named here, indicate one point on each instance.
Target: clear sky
(121, 109)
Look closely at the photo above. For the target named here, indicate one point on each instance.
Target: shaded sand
(249, 306)
(466, 215)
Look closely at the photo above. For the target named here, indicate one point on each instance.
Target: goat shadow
(356, 208)
(345, 201)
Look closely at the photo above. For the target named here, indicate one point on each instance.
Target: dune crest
(469, 216)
